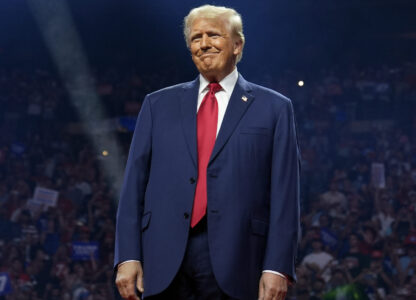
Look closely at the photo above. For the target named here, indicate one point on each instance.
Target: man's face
(213, 48)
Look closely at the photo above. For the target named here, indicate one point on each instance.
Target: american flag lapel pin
(244, 98)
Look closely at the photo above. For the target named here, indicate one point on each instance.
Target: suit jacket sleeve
(284, 225)
(130, 206)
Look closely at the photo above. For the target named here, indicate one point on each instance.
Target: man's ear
(238, 46)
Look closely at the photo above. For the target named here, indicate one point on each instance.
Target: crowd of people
(358, 229)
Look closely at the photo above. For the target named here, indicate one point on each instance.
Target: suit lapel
(240, 100)
(188, 102)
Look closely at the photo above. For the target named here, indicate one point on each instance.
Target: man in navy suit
(209, 208)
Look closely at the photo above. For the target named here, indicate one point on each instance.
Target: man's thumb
(139, 283)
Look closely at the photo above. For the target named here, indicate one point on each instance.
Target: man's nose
(205, 42)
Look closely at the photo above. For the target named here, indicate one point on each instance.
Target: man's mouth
(208, 54)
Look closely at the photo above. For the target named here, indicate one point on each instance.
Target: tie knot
(214, 87)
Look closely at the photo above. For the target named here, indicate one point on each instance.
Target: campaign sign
(33, 206)
(328, 238)
(5, 286)
(84, 250)
(46, 197)
(18, 148)
(378, 175)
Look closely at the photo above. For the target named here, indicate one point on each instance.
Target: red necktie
(207, 119)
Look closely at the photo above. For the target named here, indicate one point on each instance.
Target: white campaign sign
(46, 197)
(378, 175)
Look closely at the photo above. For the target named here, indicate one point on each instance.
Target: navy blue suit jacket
(252, 182)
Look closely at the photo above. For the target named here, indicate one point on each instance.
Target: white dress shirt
(223, 97)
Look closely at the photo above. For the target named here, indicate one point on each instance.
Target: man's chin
(208, 65)
(209, 72)
(207, 69)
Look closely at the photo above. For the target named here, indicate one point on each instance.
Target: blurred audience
(358, 234)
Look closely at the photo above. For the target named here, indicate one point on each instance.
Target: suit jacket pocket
(146, 220)
(259, 227)
(256, 130)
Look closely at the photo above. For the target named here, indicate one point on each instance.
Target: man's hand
(272, 287)
(130, 274)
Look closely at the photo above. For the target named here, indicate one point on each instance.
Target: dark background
(300, 34)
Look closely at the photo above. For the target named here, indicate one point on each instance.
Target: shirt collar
(227, 83)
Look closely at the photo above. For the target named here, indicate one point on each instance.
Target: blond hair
(229, 15)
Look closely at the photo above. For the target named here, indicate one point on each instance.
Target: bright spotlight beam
(56, 25)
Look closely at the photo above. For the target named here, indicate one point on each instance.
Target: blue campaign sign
(329, 238)
(5, 286)
(84, 250)
(18, 148)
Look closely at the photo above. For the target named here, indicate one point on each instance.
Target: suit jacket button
(186, 215)
(192, 180)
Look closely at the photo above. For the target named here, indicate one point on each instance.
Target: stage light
(300, 83)
(64, 44)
